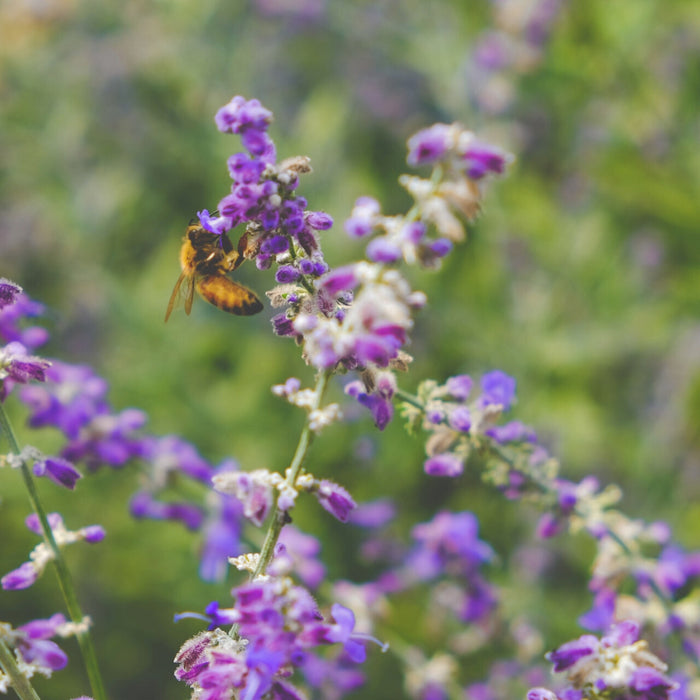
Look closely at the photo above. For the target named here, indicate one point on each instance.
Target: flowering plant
(289, 631)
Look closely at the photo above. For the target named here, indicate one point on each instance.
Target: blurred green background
(581, 279)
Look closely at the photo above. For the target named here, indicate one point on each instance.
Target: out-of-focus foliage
(581, 279)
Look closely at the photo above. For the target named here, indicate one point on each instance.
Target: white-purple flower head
(619, 662)
(9, 291)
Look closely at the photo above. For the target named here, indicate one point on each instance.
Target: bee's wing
(178, 292)
(228, 295)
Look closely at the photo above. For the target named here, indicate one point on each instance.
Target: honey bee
(205, 259)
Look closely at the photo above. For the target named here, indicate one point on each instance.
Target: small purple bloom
(282, 325)
(441, 247)
(541, 694)
(319, 220)
(482, 158)
(17, 366)
(287, 274)
(429, 145)
(342, 632)
(335, 499)
(460, 419)
(340, 279)
(22, 577)
(60, 471)
(244, 169)
(363, 218)
(93, 534)
(568, 654)
(459, 387)
(217, 225)
(445, 464)
(497, 388)
(382, 250)
(9, 292)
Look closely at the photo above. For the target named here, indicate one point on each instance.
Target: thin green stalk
(20, 683)
(279, 517)
(65, 581)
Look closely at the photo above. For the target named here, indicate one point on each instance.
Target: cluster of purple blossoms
(277, 225)
(73, 399)
(447, 549)
(617, 666)
(278, 625)
(455, 420)
(17, 366)
(33, 648)
(42, 554)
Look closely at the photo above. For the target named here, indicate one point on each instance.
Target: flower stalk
(65, 580)
(20, 683)
(279, 516)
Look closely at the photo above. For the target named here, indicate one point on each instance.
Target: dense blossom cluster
(278, 625)
(454, 419)
(618, 665)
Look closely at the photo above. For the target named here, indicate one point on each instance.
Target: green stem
(280, 517)
(65, 581)
(20, 683)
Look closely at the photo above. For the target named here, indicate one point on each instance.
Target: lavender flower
(335, 499)
(33, 647)
(278, 625)
(9, 291)
(60, 471)
(17, 367)
(618, 664)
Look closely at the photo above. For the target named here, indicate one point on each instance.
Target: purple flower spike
(8, 292)
(335, 499)
(60, 471)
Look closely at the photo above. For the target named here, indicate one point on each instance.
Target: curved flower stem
(65, 580)
(20, 683)
(280, 517)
